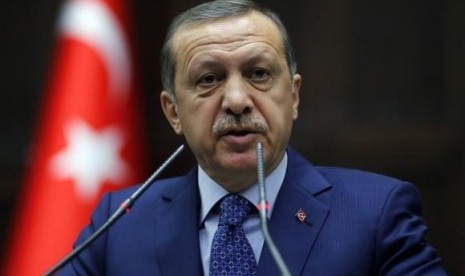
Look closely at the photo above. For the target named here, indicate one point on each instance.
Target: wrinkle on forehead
(226, 35)
(222, 29)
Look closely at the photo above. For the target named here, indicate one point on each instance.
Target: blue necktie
(231, 253)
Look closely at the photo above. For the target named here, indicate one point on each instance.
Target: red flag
(89, 140)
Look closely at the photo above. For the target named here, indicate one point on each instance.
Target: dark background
(383, 90)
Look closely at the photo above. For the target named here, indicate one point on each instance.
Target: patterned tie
(231, 253)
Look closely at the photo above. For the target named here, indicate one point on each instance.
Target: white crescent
(93, 23)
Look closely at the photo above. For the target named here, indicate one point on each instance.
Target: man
(230, 81)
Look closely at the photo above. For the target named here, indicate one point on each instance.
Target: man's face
(233, 89)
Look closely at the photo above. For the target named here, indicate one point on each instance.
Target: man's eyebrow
(260, 56)
(210, 63)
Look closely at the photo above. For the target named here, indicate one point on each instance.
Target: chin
(239, 162)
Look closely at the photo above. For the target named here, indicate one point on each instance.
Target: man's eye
(259, 74)
(208, 79)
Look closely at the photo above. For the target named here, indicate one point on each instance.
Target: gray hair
(208, 12)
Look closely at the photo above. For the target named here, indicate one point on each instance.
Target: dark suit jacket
(357, 223)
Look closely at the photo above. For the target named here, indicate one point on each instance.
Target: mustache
(243, 123)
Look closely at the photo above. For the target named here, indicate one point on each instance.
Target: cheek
(279, 113)
(282, 103)
(197, 119)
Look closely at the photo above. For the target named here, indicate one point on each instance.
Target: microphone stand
(263, 208)
(123, 209)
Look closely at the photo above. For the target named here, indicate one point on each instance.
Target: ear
(170, 109)
(296, 83)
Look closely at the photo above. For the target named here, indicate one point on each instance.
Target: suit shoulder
(371, 192)
(360, 183)
(346, 180)
(338, 175)
(154, 191)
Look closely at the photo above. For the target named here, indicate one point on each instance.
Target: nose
(236, 97)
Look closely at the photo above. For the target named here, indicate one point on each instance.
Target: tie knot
(234, 209)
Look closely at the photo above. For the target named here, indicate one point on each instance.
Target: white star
(90, 158)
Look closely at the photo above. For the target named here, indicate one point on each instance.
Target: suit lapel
(177, 229)
(178, 222)
(293, 237)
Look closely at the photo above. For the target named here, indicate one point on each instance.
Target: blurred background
(383, 90)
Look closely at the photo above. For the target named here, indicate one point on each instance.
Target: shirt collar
(211, 192)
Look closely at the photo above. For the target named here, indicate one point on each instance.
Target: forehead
(227, 33)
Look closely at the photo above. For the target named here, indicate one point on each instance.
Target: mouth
(237, 132)
(239, 138)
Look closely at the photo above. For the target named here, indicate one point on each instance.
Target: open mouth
(238, 133)
(239, 137)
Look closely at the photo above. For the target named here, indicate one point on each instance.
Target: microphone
(123, 209)
(263, 208)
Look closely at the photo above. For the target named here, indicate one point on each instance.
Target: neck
(234, 182)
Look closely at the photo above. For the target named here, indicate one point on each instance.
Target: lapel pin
(302, 217)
